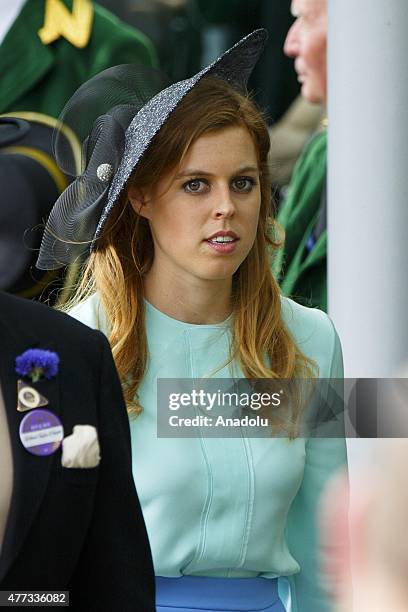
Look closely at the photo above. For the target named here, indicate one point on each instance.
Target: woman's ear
(138, 201)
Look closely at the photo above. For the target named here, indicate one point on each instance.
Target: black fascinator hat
(115, 116)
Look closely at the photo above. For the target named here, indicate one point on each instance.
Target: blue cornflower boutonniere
(37, 363)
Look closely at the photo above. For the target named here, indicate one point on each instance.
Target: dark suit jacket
(72, 529)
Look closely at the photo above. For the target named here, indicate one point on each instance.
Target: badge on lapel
(28, 397)
(41, 431)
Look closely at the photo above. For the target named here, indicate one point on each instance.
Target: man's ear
(139, 202)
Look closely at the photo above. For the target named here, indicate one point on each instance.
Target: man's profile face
(306, 42)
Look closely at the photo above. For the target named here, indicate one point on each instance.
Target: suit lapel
(31, 473)
(24, 59)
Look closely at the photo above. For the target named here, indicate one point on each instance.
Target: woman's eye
(195, 186)
(243, 184)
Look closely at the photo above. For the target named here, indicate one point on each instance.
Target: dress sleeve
(324, 457)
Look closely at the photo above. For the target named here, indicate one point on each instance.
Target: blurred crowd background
(188, 34)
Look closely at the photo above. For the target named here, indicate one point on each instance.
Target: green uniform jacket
(303, 274)
(41, 77)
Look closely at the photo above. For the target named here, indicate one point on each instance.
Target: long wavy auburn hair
(262, 344)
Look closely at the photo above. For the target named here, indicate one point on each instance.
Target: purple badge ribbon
(41, 432)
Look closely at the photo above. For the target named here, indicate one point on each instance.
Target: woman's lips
(223, 247)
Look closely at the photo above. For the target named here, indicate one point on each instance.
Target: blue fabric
(239, 507)
(207, 594)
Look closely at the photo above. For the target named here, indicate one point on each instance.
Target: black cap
(30, 183)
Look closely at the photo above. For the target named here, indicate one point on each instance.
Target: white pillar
(368, 201)
(368, 183)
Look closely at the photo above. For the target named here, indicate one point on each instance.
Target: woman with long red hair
(181, 233)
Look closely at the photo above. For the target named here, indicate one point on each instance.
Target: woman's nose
(224, 205)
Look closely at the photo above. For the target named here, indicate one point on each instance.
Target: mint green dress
(230, 507)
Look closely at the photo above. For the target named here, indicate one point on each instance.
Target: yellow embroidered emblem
(59, 21)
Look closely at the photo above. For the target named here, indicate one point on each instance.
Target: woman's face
(204, 218)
